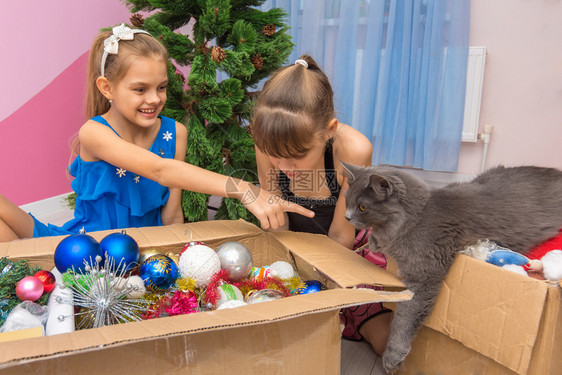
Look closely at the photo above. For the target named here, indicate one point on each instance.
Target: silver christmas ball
(235, 259)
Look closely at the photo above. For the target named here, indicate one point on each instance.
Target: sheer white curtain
(398, 69)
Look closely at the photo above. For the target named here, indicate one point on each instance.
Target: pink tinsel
(182, 303)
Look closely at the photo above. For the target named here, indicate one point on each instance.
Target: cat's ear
(381, 186)
(350, 171)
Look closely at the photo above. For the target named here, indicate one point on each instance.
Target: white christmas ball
(231, 304)
(200, 263)
(138, 289)
(282, 270)
(228, 292)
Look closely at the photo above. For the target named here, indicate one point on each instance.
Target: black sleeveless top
(323, 207)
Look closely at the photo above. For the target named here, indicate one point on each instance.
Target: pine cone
(137, 20)
(269, 30)
(218, 54)
(257, 61)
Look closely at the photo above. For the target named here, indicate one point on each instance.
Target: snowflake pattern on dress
(121, 172)
(167, 136)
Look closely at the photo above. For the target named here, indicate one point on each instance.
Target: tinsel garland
(10, 274)
(186, 284)
(178, 303)
(210, 294)
(246, 286)
(287, 287)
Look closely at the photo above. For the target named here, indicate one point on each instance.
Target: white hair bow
(111, 43)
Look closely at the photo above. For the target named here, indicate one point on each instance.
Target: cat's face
(369, 201)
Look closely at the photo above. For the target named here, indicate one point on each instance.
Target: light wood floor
(358, 358)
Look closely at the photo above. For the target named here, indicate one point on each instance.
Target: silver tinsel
(101, 293)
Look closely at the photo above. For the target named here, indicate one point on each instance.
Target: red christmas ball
(47, 278)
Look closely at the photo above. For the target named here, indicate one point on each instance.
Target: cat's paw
(393, 358)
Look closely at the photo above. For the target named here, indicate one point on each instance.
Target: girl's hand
(269, 208)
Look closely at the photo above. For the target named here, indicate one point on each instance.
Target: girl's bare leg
(15, 223)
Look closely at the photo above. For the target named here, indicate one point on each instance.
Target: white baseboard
(52, 210)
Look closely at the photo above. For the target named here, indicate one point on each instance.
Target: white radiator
(474, 83)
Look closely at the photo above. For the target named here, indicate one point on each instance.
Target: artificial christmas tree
(212, 36)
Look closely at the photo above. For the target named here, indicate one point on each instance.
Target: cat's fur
(423, 229)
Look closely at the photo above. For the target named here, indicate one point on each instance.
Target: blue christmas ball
(122, 248)
(159, 273)
(73, 250)
(311, 286)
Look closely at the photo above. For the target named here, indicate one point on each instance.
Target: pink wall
(522, 94)
(42, 78)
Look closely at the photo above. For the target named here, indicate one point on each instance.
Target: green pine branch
(242, 45)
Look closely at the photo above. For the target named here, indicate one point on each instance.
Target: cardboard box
(490, 321)
(295, 335)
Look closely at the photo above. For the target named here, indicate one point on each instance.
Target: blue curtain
(398, 69)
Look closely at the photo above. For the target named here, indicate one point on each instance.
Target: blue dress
(108, 197)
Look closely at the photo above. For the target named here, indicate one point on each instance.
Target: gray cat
(423, 229)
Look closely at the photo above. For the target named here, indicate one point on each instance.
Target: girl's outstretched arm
(172, 212)
(99, 142)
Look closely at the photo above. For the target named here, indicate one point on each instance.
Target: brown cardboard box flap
(492, 311)
(345, 267)
(251, 315)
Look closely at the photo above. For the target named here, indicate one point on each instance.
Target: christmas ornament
(73, 250)
(121, 246)
(228, 292)
(30, 288)
(173, 256)
(136, 286)
(231, 304)
(200, 262)
(145, 254)
(311, 286)
(48, 280)
(236, 260)
(101, 297)
(264, 295)
(259, 273)
(191, 243)
(159, 273)
(11, 272)
(282, 270)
